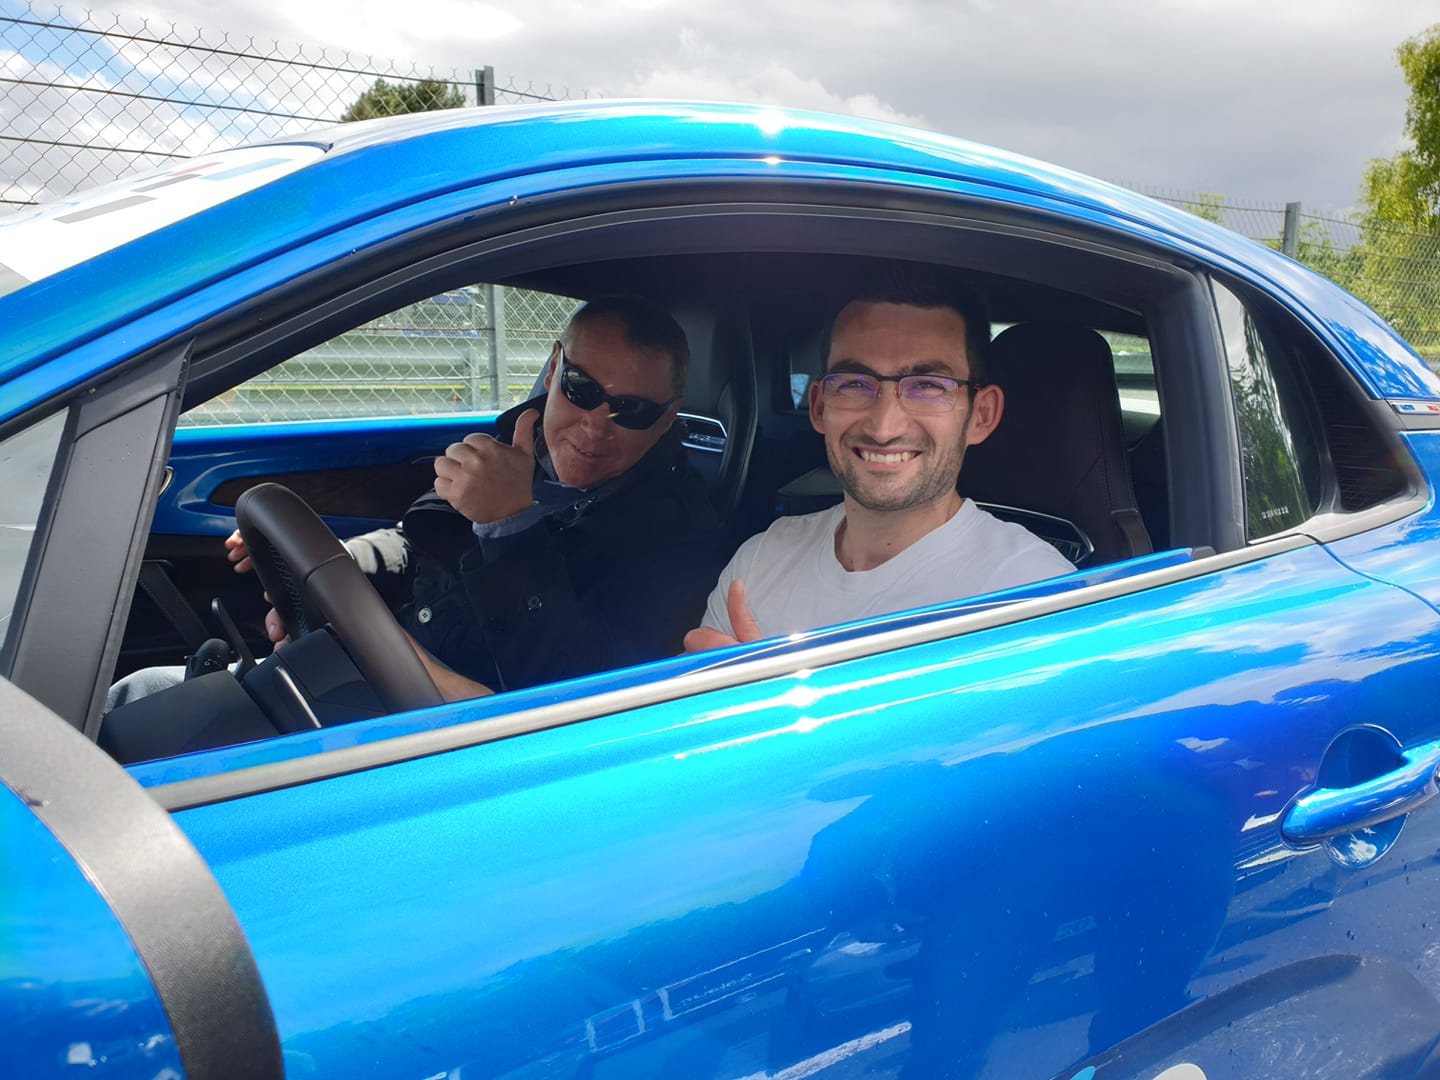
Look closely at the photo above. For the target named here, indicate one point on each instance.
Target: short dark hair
(923, 288)
(647, 325)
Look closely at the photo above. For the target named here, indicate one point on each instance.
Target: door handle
(1330, 812)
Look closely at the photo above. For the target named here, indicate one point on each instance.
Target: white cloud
(768, 84)
(371, 25)
(1277, 101)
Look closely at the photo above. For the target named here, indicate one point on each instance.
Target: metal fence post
(498, 349)
(485, 85)
(1290, 239)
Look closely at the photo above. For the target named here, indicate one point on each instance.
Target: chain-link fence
(86, 99)
(476, 349)
(1394, 271)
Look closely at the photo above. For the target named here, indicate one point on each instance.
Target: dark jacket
(615, 578)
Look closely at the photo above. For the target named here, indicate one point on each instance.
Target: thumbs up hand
(485, 479)
(742, 622)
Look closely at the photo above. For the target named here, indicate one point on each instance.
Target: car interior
(1089, 339)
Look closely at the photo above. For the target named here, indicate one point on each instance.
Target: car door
(1147, 823)
(1019, 846)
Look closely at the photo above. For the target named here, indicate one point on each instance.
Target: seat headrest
(1061, 355)
(1060, 445)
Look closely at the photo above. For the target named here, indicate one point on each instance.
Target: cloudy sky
(1263, 100)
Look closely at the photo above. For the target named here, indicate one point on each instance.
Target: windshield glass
(26, 460)
(43, 240)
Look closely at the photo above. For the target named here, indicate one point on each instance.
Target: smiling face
(886, 457)
(588, 448)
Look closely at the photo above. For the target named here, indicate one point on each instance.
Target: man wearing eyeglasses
(903, 396)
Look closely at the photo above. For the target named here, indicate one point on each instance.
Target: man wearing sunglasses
(576, 541)
(903, 396)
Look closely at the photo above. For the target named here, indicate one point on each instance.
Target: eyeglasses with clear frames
(917, 393)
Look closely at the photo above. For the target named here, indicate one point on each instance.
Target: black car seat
(1060, 446)
(720, 402)
(1149, 472)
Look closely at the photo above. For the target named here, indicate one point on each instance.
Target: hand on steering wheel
(312, 581)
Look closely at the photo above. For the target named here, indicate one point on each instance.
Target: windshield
(43, 240)
(26, 460)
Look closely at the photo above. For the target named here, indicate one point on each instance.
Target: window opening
(1277, 452)
(476, 349)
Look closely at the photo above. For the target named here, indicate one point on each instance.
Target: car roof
(360, 172)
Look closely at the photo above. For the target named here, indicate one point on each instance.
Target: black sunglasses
(627, 411)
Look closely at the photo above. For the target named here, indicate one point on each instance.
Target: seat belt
(158, 585)
(1132, 528)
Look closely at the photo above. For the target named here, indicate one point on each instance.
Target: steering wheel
(311, 580)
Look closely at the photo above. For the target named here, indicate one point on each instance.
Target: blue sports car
(1149, 819)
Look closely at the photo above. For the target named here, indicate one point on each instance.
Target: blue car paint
(1393, 552)
(750, 878)
(437, 172)
(485, 906)
(74, 996)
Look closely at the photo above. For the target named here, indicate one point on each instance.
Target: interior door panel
(357, 474)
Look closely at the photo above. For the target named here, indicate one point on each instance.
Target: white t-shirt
(794, 582)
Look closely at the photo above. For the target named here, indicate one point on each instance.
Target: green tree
(1399, 252)
(392, 99)
(1315, 247)
(1207, 205)
(1404, 190)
